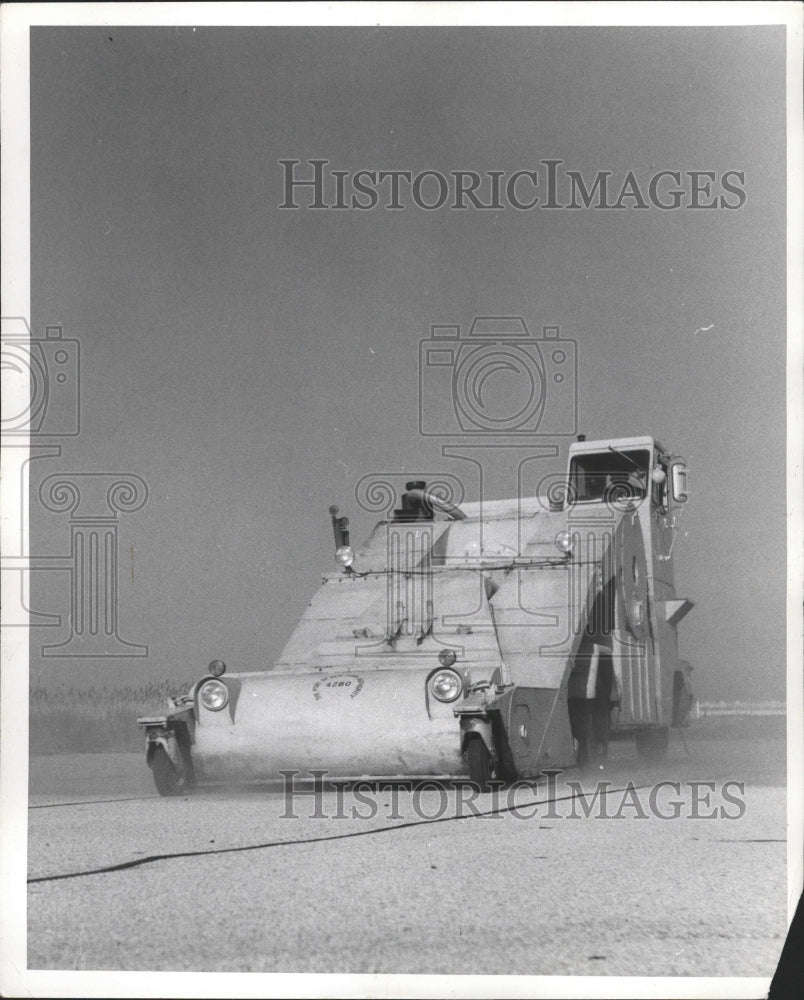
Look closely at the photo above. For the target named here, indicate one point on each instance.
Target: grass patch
(74, 719)
(69, 719)
(717, 727)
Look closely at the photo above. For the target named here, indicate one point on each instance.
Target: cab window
(609, 474)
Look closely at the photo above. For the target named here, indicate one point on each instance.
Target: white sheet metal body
(349, 694)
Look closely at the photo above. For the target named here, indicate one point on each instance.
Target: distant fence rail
(703, 709)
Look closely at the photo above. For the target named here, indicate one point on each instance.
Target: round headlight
(345, 556)
(217, 668)
(446, 685)
(564, 541)
(214, 695)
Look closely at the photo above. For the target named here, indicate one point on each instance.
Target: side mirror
(678, 482)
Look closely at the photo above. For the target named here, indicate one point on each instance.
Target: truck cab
(638, 478)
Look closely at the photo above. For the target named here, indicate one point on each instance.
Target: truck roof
(645, 441)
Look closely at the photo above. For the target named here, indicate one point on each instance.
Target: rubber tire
(593, 722)
(481, 771)
(651, 744)
(167, 779)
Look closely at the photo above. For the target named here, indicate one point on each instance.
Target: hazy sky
(251, 364)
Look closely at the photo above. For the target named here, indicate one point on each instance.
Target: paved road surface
(523, 889)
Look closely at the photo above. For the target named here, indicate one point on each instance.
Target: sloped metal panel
(377, 617)
(535, 626)
(341, 609)
(539, 731)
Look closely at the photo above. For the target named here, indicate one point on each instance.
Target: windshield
(607, 475)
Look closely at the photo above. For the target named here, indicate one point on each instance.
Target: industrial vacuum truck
(490, 641)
